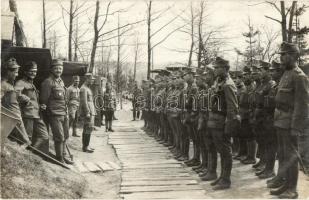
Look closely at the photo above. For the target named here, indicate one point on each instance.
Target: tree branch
(167, 36)
(273, 19)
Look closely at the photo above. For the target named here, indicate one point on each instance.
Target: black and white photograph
(154, 99)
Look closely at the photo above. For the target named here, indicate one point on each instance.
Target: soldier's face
(57, 70)
(31, 73)
(76, 82)
(288, 59)
(12, 74)
(220, 71)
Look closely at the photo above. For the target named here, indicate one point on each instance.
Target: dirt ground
(99, 185)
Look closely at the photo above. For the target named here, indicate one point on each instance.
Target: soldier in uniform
(243, 109)
(223, 119)
(109, 107)
(73, 104)
(246, 103)
(276, 72)
(9, 73)
(290, 116)
(28, 98)
(87, 111)
(265, 134)
(209, 156)
(53, 93)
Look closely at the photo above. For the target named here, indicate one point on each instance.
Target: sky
(231, 14)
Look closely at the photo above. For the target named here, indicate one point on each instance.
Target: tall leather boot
(252, 149)
(211, 173)
(59, 151)
(225, 181)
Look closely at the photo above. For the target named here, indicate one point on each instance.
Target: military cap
(220, 62)
(30, 65)
(89, 75)
(288, 48)
(264, 64)
(11, 64)
(76, 78)
(56, 62)
(247, 70)
(275, 65)
(238, 73)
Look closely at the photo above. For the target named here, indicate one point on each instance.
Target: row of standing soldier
(54, 106)
(264, 113)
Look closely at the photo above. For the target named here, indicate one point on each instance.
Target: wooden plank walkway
(149, 170)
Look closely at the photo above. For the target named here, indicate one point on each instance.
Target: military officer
(223, 119)
(290, 116)
(73, 104)
(28, 98)
(87, 111)
(9, 72)
(53, 93)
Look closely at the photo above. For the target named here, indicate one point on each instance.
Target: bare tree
(286, 33)
(20, 36)
(44, 25)
(135, 58)
(151, 17)
(98, 33)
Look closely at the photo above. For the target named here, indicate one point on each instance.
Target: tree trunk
(118, 59)
(283, 21)
(290, 33)
(192, 37)
(76, 41)
(70, 30)
(44, 26)
(135, 61)
(96, 36)
(148, 39)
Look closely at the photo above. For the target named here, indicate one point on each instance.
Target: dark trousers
(223, 145)
(288, 145)
(87, 129)
(37, 132)
(73, 118)
(136, 112)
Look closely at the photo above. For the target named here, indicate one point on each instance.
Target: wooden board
(104, 166)
(113, 165)
(92, 167)
(159, 182)
(159, 188)
(195, 194)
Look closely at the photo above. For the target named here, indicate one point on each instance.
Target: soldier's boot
(67, 161)
(225, 181)
(211, 167)
(292, 174)
(279, 190)
(242, 150)
(42, 144)
(196, 157)
(203, 164)
(111, 126)
(270, 164)
(252, 149)
(59, 151)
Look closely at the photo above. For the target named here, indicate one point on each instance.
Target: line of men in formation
(54, 106)
(263, 111)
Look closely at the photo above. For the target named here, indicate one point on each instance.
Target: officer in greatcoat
(290, 116)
